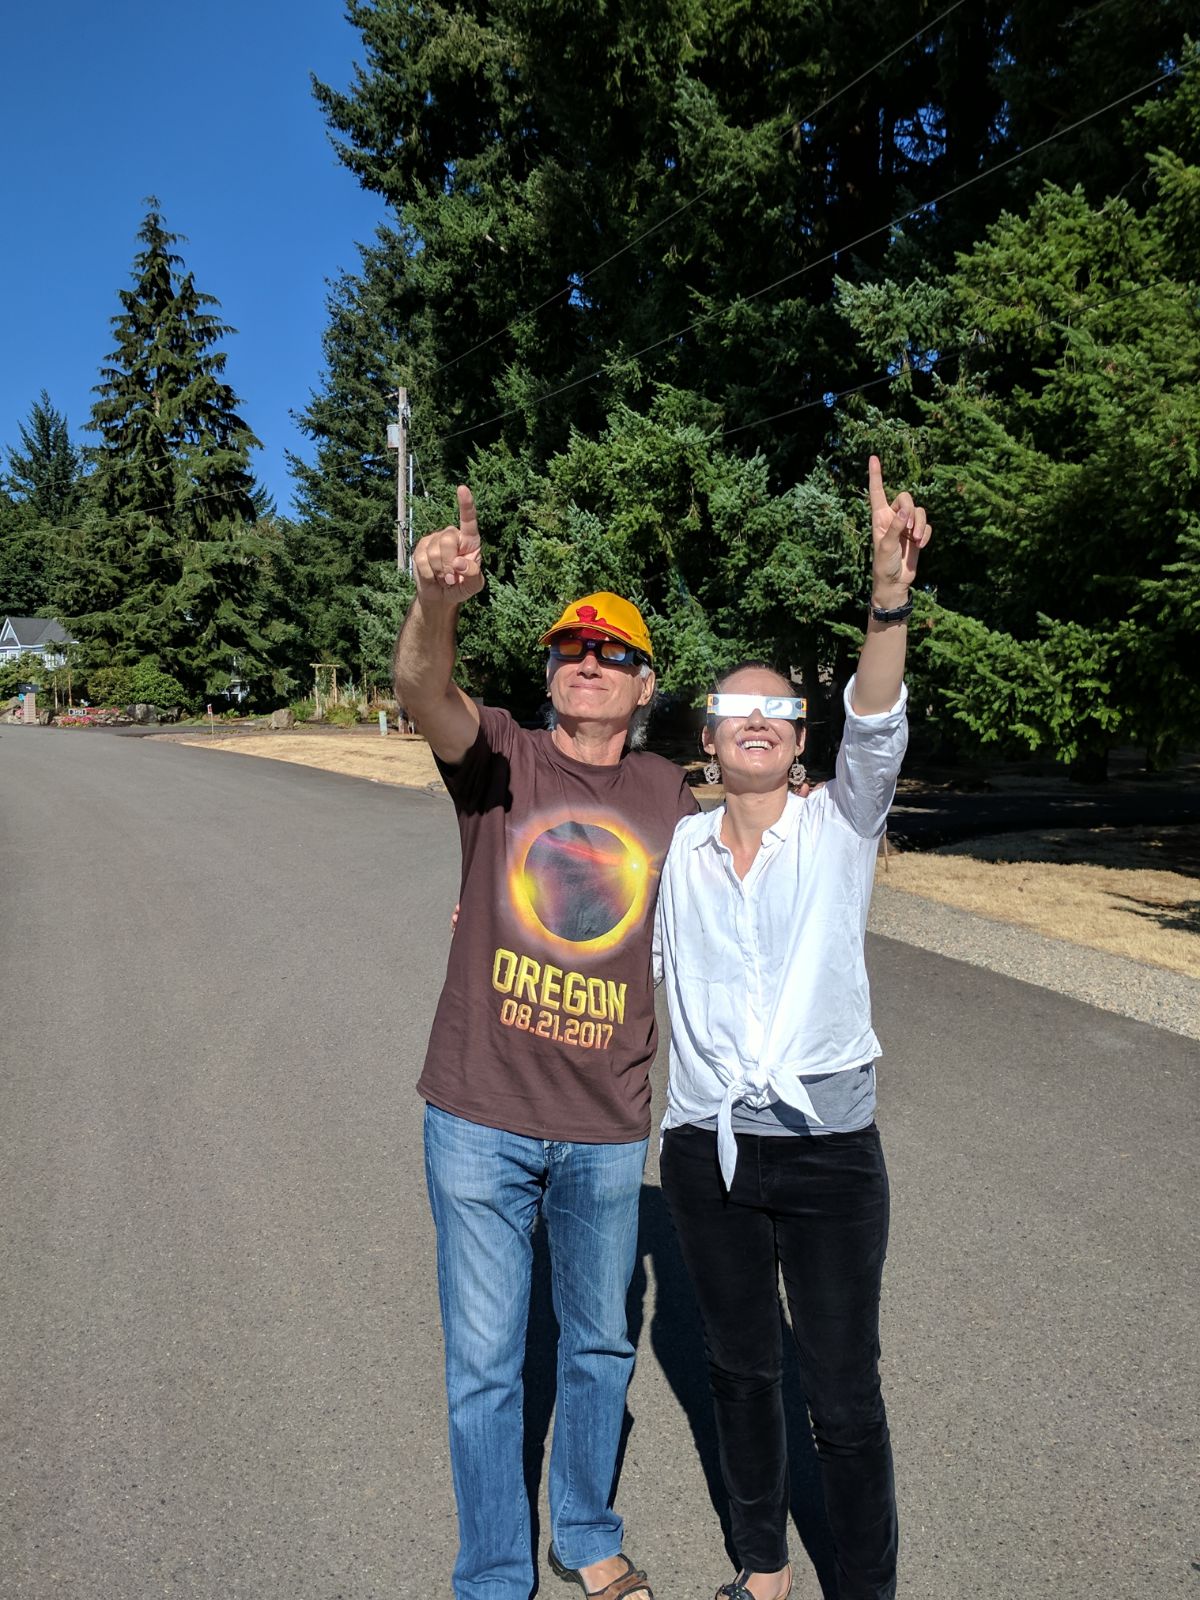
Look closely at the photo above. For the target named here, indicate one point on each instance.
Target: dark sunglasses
(610, 650)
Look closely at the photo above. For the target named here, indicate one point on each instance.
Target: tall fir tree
(45, 472)
(346, 497)
(44, 493)
(168, 566)
(604, 205)
(1054, 436)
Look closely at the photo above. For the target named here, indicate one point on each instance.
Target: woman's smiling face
(755, 752)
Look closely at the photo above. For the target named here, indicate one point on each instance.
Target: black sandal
(736, 1590)
(626, 1583)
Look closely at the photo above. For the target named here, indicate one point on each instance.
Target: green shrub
(341, 716)
(15, 674)
(148, 682)
(110, 686)
(302, 710)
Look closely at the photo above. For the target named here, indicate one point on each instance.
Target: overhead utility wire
(832, 255)
(570, 288)
(830, 397)
(925, 205)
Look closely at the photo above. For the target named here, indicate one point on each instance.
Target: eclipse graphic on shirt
(581, 884)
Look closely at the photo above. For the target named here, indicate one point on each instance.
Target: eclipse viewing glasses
(573, 648)
(775, 707)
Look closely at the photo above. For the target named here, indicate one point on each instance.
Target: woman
(771, 1159)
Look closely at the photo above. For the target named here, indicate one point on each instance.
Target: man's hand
(448, 565)
(899, 532)
(448, 569)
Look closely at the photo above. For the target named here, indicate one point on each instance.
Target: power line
(925, 205)
(687, 204)
(831, 397)
(811, 266)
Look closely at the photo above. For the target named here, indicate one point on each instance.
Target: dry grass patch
(400, 758)
(1132, 891)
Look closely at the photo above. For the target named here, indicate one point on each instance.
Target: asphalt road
(220, 1369)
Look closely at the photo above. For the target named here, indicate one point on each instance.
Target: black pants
(817, 1207)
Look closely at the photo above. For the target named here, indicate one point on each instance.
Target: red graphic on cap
(588, 614)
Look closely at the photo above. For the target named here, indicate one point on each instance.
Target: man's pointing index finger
(468, 522)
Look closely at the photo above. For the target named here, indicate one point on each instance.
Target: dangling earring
(797, 773)
(712, 771)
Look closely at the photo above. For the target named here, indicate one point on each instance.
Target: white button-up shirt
(765, 975)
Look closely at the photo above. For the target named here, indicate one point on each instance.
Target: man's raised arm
(448, 569)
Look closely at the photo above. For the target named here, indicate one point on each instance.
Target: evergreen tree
(45, 473)
(27, 556)
(520, 144)
(168, 566)
(346, 499)
(1056, 444)
(676, 218)
(45, 490)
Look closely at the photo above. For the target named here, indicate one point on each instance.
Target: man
(536, 1076)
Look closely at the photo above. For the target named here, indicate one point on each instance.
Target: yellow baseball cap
(607, 615)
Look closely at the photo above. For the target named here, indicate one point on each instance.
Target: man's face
(594, 690)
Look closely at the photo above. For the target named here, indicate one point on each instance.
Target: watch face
(777, 707)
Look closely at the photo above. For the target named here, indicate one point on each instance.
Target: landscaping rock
(142, 713)
(283, 719)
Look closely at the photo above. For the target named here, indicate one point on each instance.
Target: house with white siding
(38, 636)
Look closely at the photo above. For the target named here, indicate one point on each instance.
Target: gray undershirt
(844, 1101)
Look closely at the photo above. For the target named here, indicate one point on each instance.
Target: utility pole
(398, 441)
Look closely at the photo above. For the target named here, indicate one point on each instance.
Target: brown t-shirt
(545, 1026)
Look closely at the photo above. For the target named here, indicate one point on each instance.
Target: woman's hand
(899, 531)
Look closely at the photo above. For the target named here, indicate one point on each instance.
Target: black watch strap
(896, 614)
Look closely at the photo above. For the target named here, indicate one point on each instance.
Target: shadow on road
(926, 818)
(677, 1344)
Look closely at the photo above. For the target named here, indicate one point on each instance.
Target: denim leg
(591, 1215)
(484, 1190)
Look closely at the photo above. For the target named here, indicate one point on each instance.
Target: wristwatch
(895, 614)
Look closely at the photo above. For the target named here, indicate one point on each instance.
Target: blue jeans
(486, 1188)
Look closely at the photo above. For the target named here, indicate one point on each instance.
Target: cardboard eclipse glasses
(775, 707)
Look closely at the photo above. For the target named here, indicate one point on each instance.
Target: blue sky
(209, 108)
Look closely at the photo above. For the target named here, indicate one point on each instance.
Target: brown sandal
(629, 1582)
